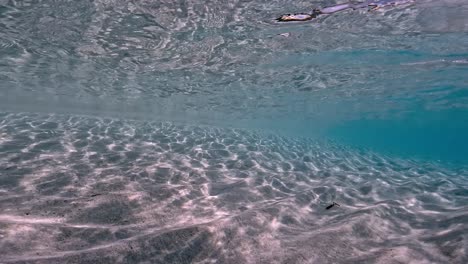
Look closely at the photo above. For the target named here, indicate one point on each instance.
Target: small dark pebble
(243, 208)
(331, 205)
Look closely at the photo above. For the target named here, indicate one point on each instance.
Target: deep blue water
(428, 135)
(205, 132)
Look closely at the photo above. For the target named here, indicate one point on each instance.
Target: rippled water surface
(204, 131)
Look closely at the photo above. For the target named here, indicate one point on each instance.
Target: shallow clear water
(227, 63)
(203, 131)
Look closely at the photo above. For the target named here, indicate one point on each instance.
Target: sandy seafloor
(76, 189)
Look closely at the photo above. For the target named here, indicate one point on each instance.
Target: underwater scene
(233, 131)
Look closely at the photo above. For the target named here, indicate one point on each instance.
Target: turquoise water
(204, 132)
